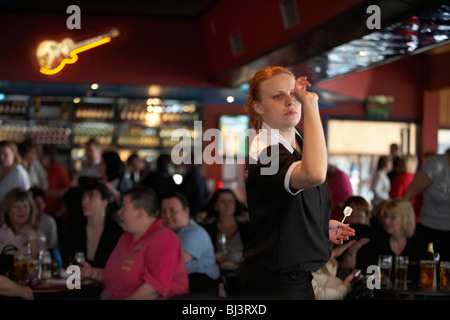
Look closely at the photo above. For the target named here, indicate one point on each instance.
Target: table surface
(60, 285)
(414, 291)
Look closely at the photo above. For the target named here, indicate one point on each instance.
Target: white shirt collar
(268, 136)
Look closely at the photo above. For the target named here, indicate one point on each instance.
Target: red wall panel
(403, 79)
(260, 25)
(147, 52)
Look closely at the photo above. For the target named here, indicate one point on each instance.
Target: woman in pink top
(147, 262)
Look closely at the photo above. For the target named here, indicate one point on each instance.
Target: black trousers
(257, 283)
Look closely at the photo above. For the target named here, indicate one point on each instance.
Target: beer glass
(385, 264)
(401, 272)
(427, 273)
(20, 271)
(79, 257)
(21, 259)
(445, 274)
(222, 252)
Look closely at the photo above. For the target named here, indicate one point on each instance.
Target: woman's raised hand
(300, 91)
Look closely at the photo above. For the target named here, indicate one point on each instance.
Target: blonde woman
(287, 196)
(12, 173)
(17, 217)
(399, 238)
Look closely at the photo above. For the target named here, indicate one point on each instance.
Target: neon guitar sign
(53, 56)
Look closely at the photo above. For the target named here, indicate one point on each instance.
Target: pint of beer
(20, 271)
(427, 273)
(401, 272)
(445, 274)
(385, 264)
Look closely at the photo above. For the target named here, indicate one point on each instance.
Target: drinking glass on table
(445, 274)
(20, 271)
(79, 257)
(46, 265)
(221, 254)
(385, 264)
(21, 261)
(401, 272)
(427, 273)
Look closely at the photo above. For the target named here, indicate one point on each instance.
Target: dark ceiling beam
(153, 9)
(346, 26)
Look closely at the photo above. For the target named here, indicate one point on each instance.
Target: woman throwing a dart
(287, 196)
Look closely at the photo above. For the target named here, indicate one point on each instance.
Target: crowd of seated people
(100, 211)
(393, 223)
(196, 238)
(147, 262)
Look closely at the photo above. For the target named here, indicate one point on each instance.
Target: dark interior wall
(403, 79)
(260, 25)
(149, 51)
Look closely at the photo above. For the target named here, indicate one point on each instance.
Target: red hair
(254, 91)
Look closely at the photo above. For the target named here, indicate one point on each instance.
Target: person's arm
(144, 292)
(115, 192)
(338, 251)
(312, 169)
(420, 183)
(11, 289)
(56, 192)
(90, 272)
(348, 260)
(186, 257)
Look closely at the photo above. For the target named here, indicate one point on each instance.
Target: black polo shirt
(289, 229)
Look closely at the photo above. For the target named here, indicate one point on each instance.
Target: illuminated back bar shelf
(117, 123)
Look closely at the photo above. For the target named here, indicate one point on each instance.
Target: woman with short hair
(12, 173)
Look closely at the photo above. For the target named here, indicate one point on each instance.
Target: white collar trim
(268, 136)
